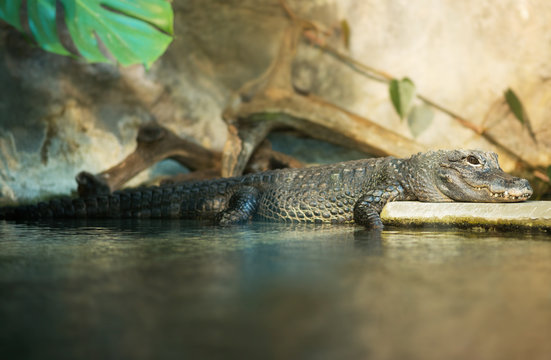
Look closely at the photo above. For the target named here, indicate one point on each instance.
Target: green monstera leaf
(9, 11)
(133, 31)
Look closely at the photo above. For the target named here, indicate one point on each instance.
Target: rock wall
(59, 116)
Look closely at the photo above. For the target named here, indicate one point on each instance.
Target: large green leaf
(9, 11)
(133, 31)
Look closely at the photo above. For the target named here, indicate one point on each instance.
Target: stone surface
(525, 215)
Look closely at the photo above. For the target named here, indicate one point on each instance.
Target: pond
(182, 290)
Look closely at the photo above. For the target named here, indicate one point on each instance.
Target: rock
(525, 215)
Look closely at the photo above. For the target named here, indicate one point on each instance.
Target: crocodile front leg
(370, 205)
(241, 206)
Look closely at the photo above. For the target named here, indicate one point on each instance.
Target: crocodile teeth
(507, 196)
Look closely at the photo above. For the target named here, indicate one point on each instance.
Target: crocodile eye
(473, 160)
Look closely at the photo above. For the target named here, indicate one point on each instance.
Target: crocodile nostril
(527, 187)
(520, 188)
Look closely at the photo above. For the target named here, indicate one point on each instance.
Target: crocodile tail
(58, 208)
(137, 203)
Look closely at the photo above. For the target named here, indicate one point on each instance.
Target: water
(180, 290)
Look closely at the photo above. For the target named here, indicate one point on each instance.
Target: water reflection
(172, 289)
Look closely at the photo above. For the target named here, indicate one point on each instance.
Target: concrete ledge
(526, 215)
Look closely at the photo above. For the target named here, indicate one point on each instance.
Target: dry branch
(271, 102)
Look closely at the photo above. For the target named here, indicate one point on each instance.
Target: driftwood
(271, 102)
(156, 143)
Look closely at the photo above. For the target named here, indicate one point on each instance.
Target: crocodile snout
(512, 188)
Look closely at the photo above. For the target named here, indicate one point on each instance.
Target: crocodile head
(471, 175)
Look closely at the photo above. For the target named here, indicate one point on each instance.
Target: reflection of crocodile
(347, 192)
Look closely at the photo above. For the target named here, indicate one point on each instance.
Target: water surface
(180, 290)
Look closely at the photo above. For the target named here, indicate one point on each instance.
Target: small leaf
(516, 107)
(345, 27)
(419, 119)
(402, 93)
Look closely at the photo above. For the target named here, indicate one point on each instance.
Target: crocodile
(347, 192)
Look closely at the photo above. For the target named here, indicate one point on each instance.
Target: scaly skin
(347, 192)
